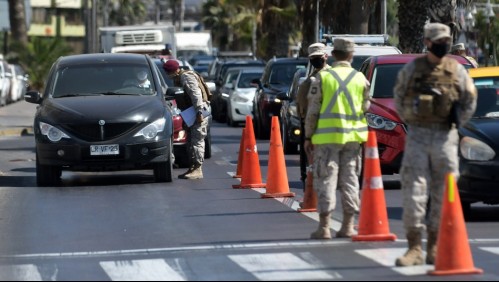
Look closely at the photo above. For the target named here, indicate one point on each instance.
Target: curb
(16, 131)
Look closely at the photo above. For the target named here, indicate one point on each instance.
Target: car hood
(245, 91)
(486, 130)
(384, 107)
(116, 108)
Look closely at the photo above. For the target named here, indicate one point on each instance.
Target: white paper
(189, 115)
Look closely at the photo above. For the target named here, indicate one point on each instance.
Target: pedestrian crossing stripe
(21, 272)
(494, 250)
(281, 266)
(136, 270)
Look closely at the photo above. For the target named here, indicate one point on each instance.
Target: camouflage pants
(429, 155)
(197, 134)
(336, 166)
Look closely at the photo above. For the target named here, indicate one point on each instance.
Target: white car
(239, 91)
(5, 81)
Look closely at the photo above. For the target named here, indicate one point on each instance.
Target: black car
(92, 117)
(289, 119)
(479, 152)
(276, 79)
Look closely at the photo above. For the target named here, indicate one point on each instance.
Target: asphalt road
(123, 226)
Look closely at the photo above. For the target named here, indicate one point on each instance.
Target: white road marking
(494, 250)
(387, 256)
(215, 149)
(284, 244)
(140, 270)
(280, 266)
(21, 272)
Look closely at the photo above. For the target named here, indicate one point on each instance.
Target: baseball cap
(343, 44)
(171, 66)
(436, 31)
(316, 49)
(459, 46)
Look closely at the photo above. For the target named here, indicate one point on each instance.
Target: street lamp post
(489, 17)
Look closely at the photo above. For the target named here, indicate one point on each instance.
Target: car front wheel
(47, 175)
(163, 171)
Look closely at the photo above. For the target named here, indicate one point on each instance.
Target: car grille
(95, 132)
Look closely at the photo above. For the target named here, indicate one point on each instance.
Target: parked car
(479, 144)
(180, 146)
(276, 79)
(200, 63)
(289, 120)
(5, 83)
(88, 121)
(381, 71)
(238, 90)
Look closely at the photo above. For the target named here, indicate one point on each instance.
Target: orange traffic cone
(252, 175)
(240, 158)
(453, 250)
(277, 176)
(309, 203)
(373, 220)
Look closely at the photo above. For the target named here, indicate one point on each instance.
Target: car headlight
(152, 129)
(475, 150)
(292, 110)
(379, 122)
(240, 99)
(53, 133)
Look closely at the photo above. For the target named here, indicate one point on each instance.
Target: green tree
(39, 55)
(127, 12)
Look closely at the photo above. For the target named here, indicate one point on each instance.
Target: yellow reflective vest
(341, 118)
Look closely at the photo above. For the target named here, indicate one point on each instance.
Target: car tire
(256, 128)
(289, 148)
(466, 207)
(163, 171)
(47, 175)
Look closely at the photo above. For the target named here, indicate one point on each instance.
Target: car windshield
(383, 80)
(246, 78)
(283, 73)
(487, 104)
(117, 79)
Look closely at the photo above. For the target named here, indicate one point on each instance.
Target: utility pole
(383, 16)
(158, 12)
(94, 26)
(317, 37)
(88, 34)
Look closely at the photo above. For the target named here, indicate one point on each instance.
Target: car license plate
(104, 150)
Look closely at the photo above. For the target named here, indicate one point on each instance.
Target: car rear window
(283, 73)
(383, 80)
(246, 78)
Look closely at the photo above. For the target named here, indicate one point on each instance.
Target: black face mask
(440, 50)
(317, 62)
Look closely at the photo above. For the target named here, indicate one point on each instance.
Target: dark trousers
(303, 155)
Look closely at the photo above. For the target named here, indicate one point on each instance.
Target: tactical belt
(429, 125)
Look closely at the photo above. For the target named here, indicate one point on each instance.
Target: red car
(381, 71)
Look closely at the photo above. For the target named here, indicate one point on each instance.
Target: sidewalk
(17, 119)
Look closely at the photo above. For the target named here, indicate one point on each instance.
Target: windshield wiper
(118, 93)
(75, 95)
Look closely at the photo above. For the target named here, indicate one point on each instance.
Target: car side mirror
(173, 92)
(33, 97)
(258, 82)
(211, 86)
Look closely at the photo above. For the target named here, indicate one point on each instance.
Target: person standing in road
(318, 60)
(335, 128)
(194, 96)
(433, 95)
(459, 50)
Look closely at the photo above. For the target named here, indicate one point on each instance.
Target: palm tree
(127, 12)
(444, 11)
(412, 18)
(277, 24)
(17, 19)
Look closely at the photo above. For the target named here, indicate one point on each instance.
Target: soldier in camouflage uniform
(460, 50)
(335, 128)
(318, 59)
(433, 94)
(194, 95)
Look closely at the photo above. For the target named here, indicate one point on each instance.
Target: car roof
(369, 50)
(484, 72)
(124, 58)
(287, 60)
(405, 58)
